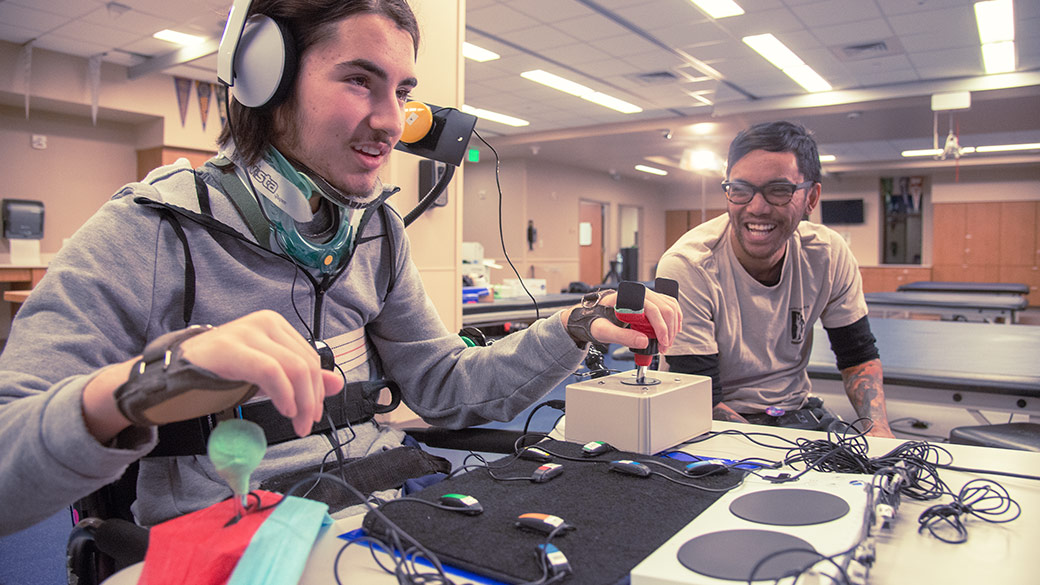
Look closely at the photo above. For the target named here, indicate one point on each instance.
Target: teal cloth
(278, 551)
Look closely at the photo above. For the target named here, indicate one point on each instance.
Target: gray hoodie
(119, 283)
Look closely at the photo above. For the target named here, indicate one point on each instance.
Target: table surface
(16, 296)
(994, 553)
(947, 354)
(948, 299)
(966, 287)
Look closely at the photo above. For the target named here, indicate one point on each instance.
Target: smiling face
(347, 111)
(761, 230)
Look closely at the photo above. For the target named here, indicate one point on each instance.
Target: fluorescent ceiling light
(719, 8)
(1007, 147)
(179, 38)
(785, 60)
(576, 89)
(494, 116)
(935, 151)
(611, 102)
(975, 149)
(556, 82)
(773, 50)
(828, 158)
(998, 57)
(479, 54)
(651, 170)
(700, 160)
(701, 99)
(922, 152)
(806, 77)
(996, 21)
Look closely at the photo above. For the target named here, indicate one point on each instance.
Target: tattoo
(723, 412)
(863, 384)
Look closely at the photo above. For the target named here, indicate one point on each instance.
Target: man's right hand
(261, 348)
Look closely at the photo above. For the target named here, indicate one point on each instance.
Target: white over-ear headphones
(257, 59)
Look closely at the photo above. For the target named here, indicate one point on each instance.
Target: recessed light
(179, 38)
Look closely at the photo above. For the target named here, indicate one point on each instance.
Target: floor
(36, 556)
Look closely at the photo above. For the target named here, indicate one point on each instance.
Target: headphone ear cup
(265, 63)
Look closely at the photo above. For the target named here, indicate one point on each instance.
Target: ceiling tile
(956, 22)
(836, 12)
(961, 62)
(623, 45)
(549, 11)
(769, 21)
(579, 54)
(90, 32)
(854, 33)
(540, 38)
(590, 27)
(70, 46)
(38, 21)
(498, 19)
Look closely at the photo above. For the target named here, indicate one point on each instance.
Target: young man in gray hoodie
(280, 242)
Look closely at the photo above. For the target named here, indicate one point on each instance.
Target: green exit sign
(473, 155)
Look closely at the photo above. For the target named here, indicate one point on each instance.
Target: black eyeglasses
(778, 193)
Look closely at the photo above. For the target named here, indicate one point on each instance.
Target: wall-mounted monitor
(23, 219)
(841, 211)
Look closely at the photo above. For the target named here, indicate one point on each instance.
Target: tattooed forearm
(723, 412)
(863, 384)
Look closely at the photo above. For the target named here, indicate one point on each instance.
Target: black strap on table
(357, 403)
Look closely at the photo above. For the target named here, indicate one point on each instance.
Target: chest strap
(357, 403)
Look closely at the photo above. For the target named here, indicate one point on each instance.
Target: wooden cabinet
(889, 278)
(150, 158)
(678, 221)
(988, 242)
(967, 234)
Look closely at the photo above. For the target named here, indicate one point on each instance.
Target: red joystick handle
(639, 322)
(629, 309)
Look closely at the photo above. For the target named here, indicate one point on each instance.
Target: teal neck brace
(322, 256)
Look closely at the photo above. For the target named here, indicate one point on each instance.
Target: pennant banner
(204, 90)
(221, 102)
(25, 64)
(183, 86)
(94, 84)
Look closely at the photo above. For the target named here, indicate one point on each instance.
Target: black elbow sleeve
(853, 344)
(702, 365)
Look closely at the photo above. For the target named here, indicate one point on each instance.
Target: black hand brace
(164, 387)
(579, 324)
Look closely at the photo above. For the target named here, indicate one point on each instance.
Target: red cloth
(197, 548)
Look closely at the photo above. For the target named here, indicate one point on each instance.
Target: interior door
(590, 243)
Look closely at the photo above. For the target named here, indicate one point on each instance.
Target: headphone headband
(257, 57)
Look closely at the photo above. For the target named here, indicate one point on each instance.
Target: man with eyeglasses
(754, 281)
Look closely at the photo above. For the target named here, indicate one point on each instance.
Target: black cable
(501, 234)
(988, 472)
(404, 557)
(984, 499)
(557, 404)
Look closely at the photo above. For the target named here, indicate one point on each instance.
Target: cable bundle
(984, 499)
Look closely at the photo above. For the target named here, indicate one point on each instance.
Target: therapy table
(993, 553)
(948, 306)
(515, 309)
(975, 366)
(998, 288)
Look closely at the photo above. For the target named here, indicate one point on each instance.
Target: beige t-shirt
(763, 334)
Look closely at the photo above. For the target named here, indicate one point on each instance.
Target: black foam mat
(618, 519)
